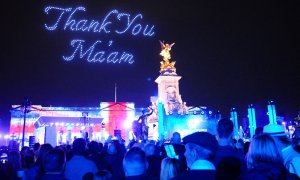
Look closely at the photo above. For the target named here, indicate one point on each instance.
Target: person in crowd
(149, 149)
(27, 157)
(101, 175)
(37, 168)
(78, 165)
(296, 139)
(200, 148)
(140, 145)
(13, 165)
(36, 148)
(228, 160)
(258, 131)
(178, 148)
(114, 158)
(154, 161)
(246, 147)
(88, 176)
(27, 160)
(22, 153)
(135, 164)
(107, 141)
(176, 138)
(264, 160)
(69, 152)
(170, 167)
(291, 158)
(239, 146)
(100, 145)
(120, 145)
(54, 165)
(97, 157)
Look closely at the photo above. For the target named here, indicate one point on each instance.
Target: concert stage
(60, 125)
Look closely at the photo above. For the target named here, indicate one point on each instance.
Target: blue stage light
(272, 113)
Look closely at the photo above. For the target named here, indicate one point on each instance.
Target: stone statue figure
(166, 64)
(140, 127)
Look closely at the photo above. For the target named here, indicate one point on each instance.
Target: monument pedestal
(168, 93)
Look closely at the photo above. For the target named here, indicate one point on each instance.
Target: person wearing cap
(291, 157)
(200, 148)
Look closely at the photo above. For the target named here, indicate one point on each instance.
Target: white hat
(274, 130)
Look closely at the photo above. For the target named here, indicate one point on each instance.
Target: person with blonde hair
(170, 167)
(264, 160)
(291, 158)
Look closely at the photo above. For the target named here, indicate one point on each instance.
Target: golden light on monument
(166, 65)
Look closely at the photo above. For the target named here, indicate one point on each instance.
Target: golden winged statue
(165, 53)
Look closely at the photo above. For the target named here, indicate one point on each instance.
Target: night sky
(228, 54)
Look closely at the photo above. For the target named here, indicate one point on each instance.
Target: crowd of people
(271, 154)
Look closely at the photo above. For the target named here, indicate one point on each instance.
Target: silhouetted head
(79, 146)
(176, 138)
(112, 149)
(150, 149)
(93, 147)
(42, 152)
(36, 146)
(225, 128)
(258, 131)
(44, 149)
(54, 161)
(135, 162)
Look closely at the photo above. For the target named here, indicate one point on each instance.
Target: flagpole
(115, 92)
